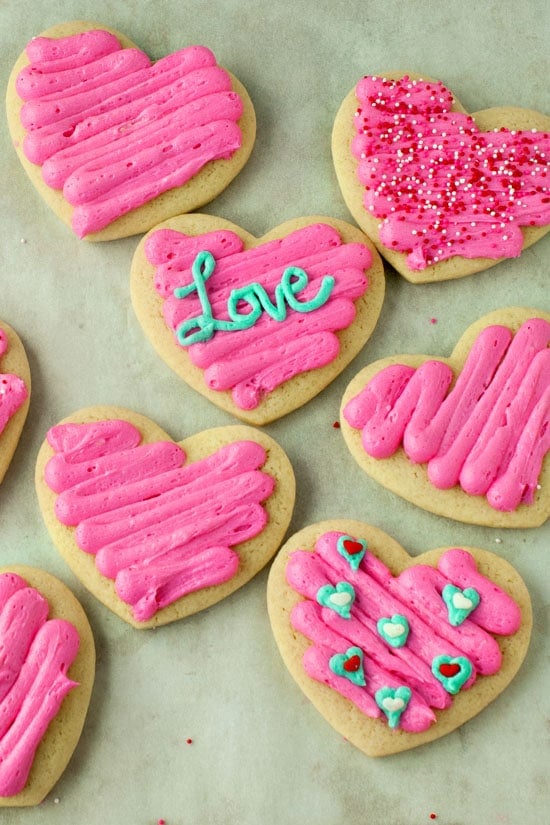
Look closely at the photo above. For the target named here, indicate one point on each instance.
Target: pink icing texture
(35, 655)
(113, 130)
(159, 528)
(253, 362)
(13, 391)
(440, 186)
(489, 434)
(416, 595)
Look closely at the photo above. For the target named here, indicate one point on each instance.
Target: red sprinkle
(433, 320)
(433, 816)
(189, 741)
(336, 425)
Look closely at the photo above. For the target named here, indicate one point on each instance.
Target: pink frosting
(415, 594)
(35, 655)
(253, 362)
(489, 434)
(13, 390)
(159, 528)
(113, 131)
(440, 186)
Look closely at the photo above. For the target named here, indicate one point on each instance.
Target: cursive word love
(202, 327)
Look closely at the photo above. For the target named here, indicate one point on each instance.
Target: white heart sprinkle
(340, 599)
(393, 703)
(393, 630)
(461, 602)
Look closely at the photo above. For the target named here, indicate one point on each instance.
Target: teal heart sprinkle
(394, 630)
(339, 598)
(349, 665)
(393, 702)
(460, 603)
(452, 672)
(352, 549)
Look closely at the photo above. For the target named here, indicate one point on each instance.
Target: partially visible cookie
(442, 193)
(466, 437)
(15, 389)
(47, 674)
(115, 143)
(259, 326)
(395, 651)
(159, 530)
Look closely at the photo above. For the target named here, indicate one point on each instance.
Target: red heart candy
(352, 547)
(352, 664)
(449, 669)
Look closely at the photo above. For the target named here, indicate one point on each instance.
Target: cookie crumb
(498, 541)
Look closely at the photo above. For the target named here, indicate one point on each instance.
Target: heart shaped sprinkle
(483, 441)
(159, 526)
(394, 702)
(353, 550)
(245, 322)
(460, 603)
(349, 665)
(110, 131)
(339, 598)
(452, 672)
(394, 630)
(414, 660)
(439, 186)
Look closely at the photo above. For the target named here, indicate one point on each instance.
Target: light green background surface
(260, 752)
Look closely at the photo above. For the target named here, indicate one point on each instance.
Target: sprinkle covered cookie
(395, 651)
(15, 388)
(442, 193)
(159, 530)
(47, 674)
(465, 437)
(114, 142)
(257, 326)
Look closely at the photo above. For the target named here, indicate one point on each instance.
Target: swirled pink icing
(439, 185)
(489, 434)
(13, 390)
(416, 595)
(35, 655)
(253, 362)
(113, 130)
(158, 527)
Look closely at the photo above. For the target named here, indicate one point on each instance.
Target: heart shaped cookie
(15, 388)
(442, 193)
(466, 436)
(384, 697)
(48, 668)
(258, 326)
(158, 530)
(115, 143)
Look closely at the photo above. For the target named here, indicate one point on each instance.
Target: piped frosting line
(35, 655)
(13, 390)
(423, 635)
(489, 434)
(255, 360)
(439, 185)
(159, 528)
(113, 131)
